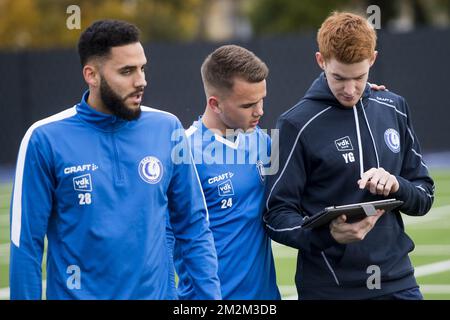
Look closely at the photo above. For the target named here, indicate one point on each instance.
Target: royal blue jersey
(231, 174)
(101, 189)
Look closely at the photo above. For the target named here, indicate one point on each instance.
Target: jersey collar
(97, 119)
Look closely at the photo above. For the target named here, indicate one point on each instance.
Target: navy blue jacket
(323, 150)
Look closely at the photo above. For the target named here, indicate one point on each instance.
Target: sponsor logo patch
(392, 139)
(226, 188)
(150, 170)
(344, 144)
(83, 183)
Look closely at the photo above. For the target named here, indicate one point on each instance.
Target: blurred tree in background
(289, 16)
(42, 23)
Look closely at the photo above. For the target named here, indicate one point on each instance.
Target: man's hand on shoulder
(377, 87)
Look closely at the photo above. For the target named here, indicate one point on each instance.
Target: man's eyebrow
(132, 66)
(127, 67)
(248, 104)
(344, 78)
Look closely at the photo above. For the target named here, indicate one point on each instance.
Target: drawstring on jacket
(358, 133)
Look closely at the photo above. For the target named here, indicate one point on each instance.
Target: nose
(259, 109)
(140, 80)
(349, 88)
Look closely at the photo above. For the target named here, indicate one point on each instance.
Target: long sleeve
(188, 219)
(170, 239)
(284, 215)
(416, 186)
(30, 211)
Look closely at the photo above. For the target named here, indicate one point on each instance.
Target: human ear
(91, 75)
(320, 61)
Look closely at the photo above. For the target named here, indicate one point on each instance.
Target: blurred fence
(416, 65)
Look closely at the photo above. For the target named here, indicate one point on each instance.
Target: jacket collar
(320, 91)
(97, 119)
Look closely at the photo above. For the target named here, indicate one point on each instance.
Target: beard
(116, 104)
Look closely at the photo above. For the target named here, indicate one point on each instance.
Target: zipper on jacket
(370, 132)
(119, 175)
(358, 134)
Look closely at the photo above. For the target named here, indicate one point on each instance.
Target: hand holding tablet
(354, 212)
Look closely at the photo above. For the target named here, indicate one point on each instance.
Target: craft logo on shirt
(385, 99)
(151, 170)
(220, 177)
(392, 139)
(226, 188)
(83, 183)
(344, 144)
(81, 168)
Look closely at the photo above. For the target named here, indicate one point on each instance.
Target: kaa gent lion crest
(392, 139)
(151, 169)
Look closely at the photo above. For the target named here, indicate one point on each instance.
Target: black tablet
(354, 212)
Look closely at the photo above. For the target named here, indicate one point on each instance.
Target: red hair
(347, 37)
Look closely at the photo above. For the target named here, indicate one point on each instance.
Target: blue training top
(100, 188)
(231, 174)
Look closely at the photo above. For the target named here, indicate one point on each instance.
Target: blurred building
(225, 19)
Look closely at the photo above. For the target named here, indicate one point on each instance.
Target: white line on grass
(435, 288)
(431, 250)
(432, 268)
(434, 214)
(442, 266)
(421, 271)
(419, 250)
(4, 292)
(424, 288)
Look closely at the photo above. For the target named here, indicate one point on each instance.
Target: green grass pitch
(431, 235)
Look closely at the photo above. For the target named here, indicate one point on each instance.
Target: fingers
(365, 225)
(380, 186)
(352, 232)
(341, 219)
(374, 182)
(370, 179)
(366, 176)
(338, 222)
(378, 181)
(378, 87)
(375, 217)
(389, 186)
